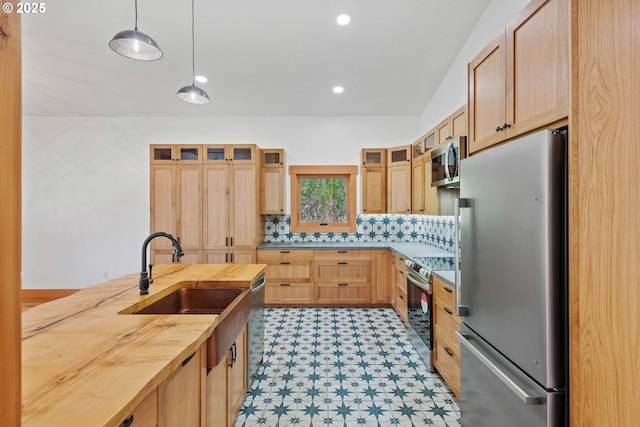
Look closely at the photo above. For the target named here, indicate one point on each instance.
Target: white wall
(86, 179)
(452, 92)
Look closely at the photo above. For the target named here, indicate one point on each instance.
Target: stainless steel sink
(233, 306)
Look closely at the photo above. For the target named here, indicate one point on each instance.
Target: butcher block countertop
(84, 364)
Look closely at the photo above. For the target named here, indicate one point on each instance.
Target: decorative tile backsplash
(435, 230)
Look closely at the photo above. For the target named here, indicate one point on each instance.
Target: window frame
(348, 172)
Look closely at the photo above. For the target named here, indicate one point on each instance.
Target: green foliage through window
(323, 200)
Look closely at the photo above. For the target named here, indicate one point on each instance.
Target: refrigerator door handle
(461, 310)
(522, 394)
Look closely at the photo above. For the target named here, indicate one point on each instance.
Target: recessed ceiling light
(343, 19)
(338, 89)
(201, 79)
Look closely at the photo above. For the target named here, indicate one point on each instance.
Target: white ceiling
(262, 57)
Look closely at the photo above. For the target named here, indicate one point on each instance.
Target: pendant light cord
(193, 44)
(136, 15)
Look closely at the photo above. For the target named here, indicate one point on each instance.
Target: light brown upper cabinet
(399, 179)
(374, 180)
(169, 154)
(272, 181)
(520, 81)
(453, 126)
(230, 201)
(418, 158)
(176, 201)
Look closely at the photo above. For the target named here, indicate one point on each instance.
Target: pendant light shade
(135, 44)
(193, 93)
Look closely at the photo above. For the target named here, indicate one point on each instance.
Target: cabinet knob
(505, 126)
(498, 128)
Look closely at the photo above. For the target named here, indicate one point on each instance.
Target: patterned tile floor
(343, 367)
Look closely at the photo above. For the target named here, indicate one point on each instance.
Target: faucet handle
(150, 276)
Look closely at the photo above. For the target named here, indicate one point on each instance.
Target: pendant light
(135, 44)
(193, 93)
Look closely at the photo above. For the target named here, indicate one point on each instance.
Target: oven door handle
(417, 283)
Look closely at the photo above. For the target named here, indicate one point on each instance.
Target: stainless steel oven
(445, 162)
(419, 312)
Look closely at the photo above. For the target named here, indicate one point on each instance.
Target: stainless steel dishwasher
(256, 328)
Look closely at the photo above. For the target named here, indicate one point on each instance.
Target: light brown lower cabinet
(327, 276)
(226, 385)
(446, 347)
(179, 396)
(145, 414)
(399, 286)
(381, 289)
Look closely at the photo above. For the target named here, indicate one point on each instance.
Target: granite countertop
(408, 249)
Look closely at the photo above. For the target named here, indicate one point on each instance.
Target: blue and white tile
(343, 367)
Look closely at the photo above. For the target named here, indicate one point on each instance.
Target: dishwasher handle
(259, 284)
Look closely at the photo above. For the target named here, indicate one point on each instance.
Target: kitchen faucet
(145, 278)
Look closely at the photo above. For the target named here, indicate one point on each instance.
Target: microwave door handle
(446, 163)
(461, 309)
(446, 169)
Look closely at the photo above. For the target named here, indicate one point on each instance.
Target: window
(323, 198)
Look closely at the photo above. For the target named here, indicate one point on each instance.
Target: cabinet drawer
(284, 255)
(292, 271)
(446, 320)
(398, 261)
(288, 293)
(342, 271)
(400, 303)
(342, 293)
(342, 254)
(447, 360)
(444, 291)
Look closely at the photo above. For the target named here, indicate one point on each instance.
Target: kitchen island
(84, 364)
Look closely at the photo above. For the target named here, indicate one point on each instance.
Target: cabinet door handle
(343, 284)
(226, 242)
(448, 290)
(128, 421)
(188, 359)
(231, 257)
(342, 263)
(505, 126)
(231, 241)
(343, 252)
(448, 310)
(401, 297)
(285, 252)
(498, 128)
(285, 284)
(226, 257)
(284, 263)
(449, 352)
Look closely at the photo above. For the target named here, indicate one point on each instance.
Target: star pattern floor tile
(343, 367)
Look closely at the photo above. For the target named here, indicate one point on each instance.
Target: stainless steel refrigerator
(511, 290)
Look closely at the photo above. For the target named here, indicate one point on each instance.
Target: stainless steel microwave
(445, 162)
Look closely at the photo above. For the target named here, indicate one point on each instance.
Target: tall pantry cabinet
(206, 196)
(176, 201)
(231, 194)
